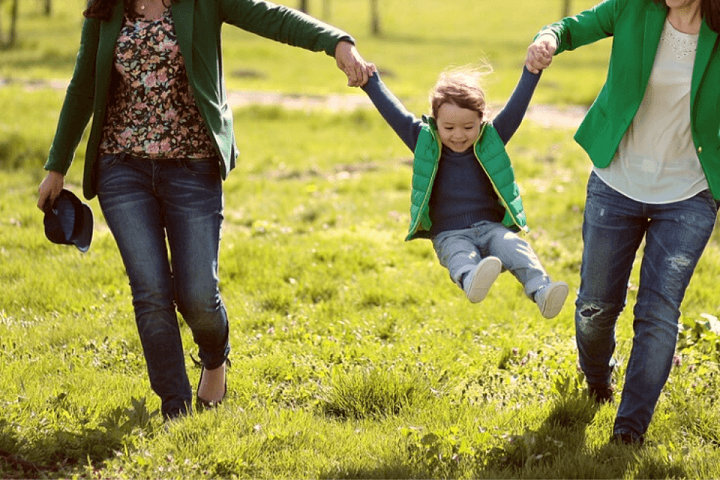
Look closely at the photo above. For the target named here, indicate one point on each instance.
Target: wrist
(342, 44)
(547, 36)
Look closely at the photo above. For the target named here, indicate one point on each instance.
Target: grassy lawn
(354, 355)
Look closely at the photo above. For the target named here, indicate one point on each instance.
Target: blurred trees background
(375, 27)
(8, 22)
(9, 13)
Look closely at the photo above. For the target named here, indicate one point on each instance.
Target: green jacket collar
(182, 12)
(654, 22)
(706, 44)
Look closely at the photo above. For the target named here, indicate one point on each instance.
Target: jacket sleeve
(78, 104)
(283, 24)
(586, 27)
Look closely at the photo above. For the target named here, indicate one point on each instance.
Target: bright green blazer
(636, 26)
(198, 28)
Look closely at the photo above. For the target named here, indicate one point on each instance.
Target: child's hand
(540, 53)
(348, 60)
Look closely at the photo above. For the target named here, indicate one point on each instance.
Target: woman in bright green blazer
(149, 74)
(653, 135)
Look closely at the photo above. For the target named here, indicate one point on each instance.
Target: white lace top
(656, 161)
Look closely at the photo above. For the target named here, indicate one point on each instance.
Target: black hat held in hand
(69, 221)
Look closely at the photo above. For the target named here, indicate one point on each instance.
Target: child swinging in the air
(464, 195)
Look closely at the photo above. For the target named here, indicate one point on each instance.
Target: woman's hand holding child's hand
(348, 60)
(540, 53)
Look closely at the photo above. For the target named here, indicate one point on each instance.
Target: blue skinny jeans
(150, 205)
(675, 236)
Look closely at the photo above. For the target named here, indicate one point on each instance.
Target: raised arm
(405, 124)
(586, 27)
(570, 33)
(508, 120)
(292, 27)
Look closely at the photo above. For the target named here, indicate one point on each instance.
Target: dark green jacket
(198, 27)
(635, 26)
(490, 152)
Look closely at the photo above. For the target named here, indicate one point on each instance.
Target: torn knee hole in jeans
(679, 262)
(588, 311)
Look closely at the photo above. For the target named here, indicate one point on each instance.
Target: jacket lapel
(105, 54)
(183, 15)
(106, 47)
(706, 42)
(654, 22)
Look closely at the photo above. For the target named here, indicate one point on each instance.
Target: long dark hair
(102, 9)
(710, 11)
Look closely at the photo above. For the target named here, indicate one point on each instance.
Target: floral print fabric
(152, 111)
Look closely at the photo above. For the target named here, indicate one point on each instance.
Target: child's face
(458, 127)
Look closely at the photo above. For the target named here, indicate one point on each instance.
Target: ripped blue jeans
(675, 236)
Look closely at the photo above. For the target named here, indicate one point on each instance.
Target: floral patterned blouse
(152, 112)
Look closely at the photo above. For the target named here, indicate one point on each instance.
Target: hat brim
(84, 238)
(69, 221)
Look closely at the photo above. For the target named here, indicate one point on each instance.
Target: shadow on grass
(555, 449)
(565, 427)
(61, 453)
(379, 472)
(57, 455)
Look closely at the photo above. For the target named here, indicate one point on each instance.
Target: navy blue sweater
(462, 193)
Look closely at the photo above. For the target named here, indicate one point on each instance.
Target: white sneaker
(478, 282)
(551, 298)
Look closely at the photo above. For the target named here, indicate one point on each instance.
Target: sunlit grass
(354, 355)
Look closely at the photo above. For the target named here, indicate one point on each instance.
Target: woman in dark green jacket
(149, 73)
(653, 135)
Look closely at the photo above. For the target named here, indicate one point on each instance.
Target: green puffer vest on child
(490, 152)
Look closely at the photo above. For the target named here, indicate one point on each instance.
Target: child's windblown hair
(462, 87)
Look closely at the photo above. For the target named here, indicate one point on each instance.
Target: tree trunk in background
(48, 8)
(374, 18)
(566, 9)
(326, 10)
(303, 6)
(9, 41)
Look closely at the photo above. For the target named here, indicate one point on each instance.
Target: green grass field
(354, 355)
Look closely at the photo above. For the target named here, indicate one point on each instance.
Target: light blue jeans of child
(675, 236)
(460, 250)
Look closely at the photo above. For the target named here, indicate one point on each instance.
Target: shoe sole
(555, 301)
(484, 276)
